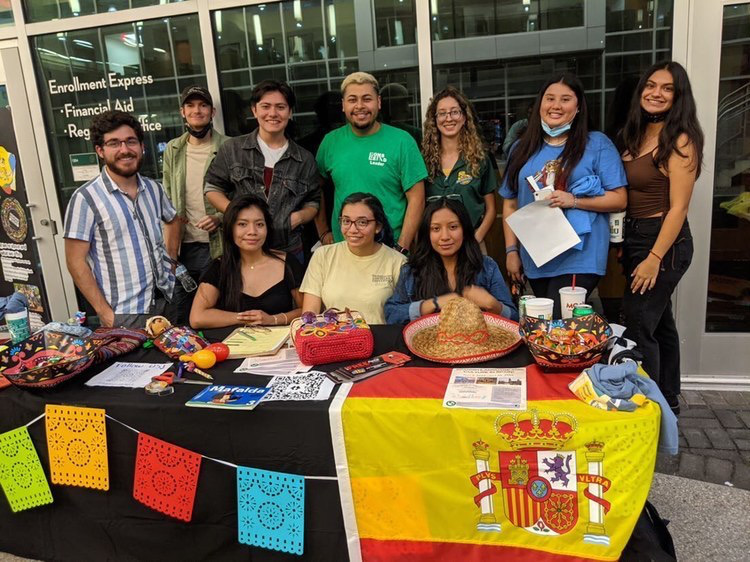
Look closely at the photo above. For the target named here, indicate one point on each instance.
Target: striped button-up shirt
(127, 254)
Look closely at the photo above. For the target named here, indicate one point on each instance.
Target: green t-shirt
(386, 164)
(472, 189)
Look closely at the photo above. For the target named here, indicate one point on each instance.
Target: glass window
(395, 22)
(728, 302)
(502, 88)
(635, 14)
(138, 67)
(45, 10)
(312, 45)
(454, 19)
(6, 14)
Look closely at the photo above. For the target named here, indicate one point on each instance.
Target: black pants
(648, 316)
(549, 287)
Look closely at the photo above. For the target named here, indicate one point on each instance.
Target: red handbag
(331, 337)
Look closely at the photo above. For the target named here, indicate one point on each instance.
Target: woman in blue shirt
(447, 263)
(589, 182)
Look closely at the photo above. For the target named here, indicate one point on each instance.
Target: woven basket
(330, 342)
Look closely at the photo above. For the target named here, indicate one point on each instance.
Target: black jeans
(549, 287)
(648, 316)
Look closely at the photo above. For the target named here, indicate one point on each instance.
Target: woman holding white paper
(584, 170)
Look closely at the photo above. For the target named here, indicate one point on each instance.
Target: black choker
(654, 117)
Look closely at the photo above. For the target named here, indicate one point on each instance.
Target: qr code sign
(306, 386)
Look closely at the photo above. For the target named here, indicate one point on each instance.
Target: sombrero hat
(461, 333)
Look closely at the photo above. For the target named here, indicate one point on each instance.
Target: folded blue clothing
(580, 220)
(623, 382)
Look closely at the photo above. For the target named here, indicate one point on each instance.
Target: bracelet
(655, 255)
(286, 318)
(575, 201)
(320, 238)
(511, 248)
(435, 302)
(275, 320)
(400, 249)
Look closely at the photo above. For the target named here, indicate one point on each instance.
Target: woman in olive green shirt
(458, 164)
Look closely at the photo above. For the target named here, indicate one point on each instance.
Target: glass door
(728, 299)
(28, 256)
(713, 302)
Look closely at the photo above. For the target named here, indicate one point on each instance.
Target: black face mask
(200, 133)
(654, 117)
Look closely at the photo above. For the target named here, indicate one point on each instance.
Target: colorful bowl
(46, 358)
(592, 326)
(49, 357)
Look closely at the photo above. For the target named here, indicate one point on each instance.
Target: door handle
(51, 224)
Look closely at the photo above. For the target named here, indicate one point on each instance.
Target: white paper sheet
(129, 375)
(285, 362)
(543, 230)
(495, 389)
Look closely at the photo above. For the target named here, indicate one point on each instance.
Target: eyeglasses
(454, 113)
(330, 316)
(449, 196)
(132, 142)
(361, 224)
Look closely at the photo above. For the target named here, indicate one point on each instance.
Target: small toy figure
(157, 325)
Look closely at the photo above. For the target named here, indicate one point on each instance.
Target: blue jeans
(196, 257)
(648, 316)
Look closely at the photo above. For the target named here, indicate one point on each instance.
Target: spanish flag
(559, 481)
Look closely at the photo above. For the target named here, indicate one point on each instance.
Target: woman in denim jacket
(446, 263)
(662, 150)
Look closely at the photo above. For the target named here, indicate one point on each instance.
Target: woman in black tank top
(662, 148)
(250, 284)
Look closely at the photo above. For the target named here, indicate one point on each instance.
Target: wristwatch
(435, 302)
(400, 249)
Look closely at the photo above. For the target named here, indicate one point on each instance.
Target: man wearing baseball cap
(186, 160)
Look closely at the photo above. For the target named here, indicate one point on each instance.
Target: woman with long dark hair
(457, 161)
(361, 271)
(446, 263)
(662, 150)
(250, 283)
(585, 170)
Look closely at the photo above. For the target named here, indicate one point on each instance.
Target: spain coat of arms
(539, 480)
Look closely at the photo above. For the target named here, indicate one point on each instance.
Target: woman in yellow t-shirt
(359, 273)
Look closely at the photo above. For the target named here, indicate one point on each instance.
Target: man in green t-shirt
(372, 157)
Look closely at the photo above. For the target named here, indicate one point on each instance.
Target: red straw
(574, 282)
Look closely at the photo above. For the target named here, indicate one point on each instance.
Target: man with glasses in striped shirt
(115, 248)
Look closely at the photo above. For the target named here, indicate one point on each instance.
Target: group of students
(408, 226)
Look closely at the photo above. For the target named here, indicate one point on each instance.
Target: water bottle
(188, 283)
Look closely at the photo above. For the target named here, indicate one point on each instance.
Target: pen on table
(193, 369)
(188, 381)
(244, 333)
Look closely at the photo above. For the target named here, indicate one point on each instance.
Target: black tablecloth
(85, 524)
